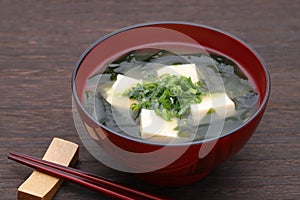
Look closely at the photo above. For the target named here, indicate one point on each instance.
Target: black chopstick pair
(82, 178)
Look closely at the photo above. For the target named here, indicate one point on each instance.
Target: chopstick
(82, 178)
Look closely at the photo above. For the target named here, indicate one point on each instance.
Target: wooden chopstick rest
(43, 186)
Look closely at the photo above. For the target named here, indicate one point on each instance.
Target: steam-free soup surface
(216, 98)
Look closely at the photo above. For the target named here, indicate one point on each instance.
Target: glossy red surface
(189, 167)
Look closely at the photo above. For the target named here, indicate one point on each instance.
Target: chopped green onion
(169, 95)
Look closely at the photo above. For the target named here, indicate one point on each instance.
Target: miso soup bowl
(168, 164)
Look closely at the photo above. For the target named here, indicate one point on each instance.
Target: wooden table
(40, 42)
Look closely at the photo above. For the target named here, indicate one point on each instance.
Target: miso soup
(157, 95)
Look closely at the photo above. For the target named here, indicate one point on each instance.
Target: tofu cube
(223, 105)
(199, 111)
(123, 83)
(114, 94)
(188, 70)
(153, 125)
(219, 102)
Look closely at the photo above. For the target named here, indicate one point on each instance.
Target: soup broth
(217, 75)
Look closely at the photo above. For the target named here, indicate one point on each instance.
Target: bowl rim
(242, 42)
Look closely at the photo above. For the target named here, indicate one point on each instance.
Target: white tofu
(220, 102)
(114, 94)
(123, 83)
(199, 111)
(118, 101)
(153, 125)
(223, 105)
(188, 70)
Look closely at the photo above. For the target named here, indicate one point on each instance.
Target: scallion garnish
(169, 95)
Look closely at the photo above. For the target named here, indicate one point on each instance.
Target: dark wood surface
(40, 42)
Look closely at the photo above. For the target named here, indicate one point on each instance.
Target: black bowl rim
(87, 51)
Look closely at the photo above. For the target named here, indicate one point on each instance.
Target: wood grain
(40, 42)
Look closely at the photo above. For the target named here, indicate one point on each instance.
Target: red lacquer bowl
(171, 164)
